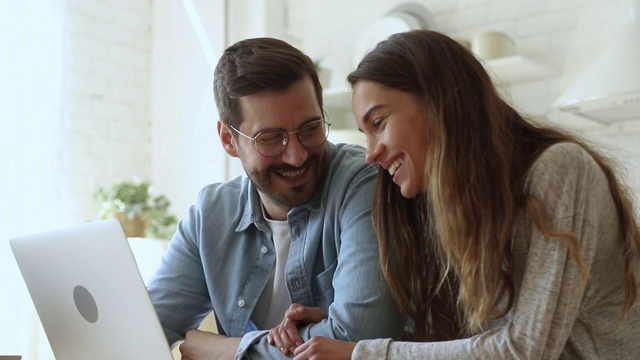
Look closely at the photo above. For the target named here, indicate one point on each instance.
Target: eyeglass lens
(310, 135)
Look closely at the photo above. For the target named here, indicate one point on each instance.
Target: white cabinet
(516, 69)
(504, 71)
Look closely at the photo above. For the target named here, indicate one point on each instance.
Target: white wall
(562, 34)
(185, 149)
(139, 95)
(105, 127)
(185, 152)
(565, 35)
(138, 102)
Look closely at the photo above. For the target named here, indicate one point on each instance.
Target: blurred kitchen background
(92, 91)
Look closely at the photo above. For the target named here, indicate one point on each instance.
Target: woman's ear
(226, 138)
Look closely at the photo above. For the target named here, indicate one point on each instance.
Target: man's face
(292, 177)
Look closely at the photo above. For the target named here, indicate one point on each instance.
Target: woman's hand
(286, 335)
(320, 348)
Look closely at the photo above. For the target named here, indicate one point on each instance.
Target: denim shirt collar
(252, 213)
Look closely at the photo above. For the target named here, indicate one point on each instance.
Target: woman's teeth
(396, 164)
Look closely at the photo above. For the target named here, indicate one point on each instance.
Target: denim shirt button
(263, 250)
(297, 285)
(241, 303)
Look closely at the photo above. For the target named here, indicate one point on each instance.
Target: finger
(301, 352)
(305, 315)
(295, 312)
(310, 350)
(289, 336)
(281, 340)
(269, 338)
(274, 338)
(292, 332)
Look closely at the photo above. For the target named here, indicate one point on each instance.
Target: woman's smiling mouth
(396, 164)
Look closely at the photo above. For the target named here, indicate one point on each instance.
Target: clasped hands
(286, 336)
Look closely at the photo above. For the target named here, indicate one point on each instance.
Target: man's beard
(296, 195)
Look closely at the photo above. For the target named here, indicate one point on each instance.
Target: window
(30, 90)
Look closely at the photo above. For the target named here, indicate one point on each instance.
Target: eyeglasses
(272, 142)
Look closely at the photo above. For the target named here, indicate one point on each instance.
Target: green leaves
(135, 198)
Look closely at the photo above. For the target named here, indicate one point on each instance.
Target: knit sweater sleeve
(572, 189)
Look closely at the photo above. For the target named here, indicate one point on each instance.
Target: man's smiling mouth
(293, 174)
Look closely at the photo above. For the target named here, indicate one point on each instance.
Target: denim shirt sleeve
(222, 253)
(178, 289)
(205, 265)
(346, 279)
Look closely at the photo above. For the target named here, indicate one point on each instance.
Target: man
(296, 229)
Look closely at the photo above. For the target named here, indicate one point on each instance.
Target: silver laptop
(89, 294)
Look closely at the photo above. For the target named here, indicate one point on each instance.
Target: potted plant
(140, 212)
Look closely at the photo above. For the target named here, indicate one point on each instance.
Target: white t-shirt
(275, 299)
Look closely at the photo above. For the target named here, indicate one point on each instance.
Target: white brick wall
(106, 99)
(564, 34)
(107, 114)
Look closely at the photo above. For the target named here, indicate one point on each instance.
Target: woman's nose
(373, 151)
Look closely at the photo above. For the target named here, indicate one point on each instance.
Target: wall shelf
(516, 69)
(508, 70)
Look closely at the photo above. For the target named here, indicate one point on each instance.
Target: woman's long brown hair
(446, 253)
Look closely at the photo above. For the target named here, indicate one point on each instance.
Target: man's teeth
(394, 166)
(293, 174)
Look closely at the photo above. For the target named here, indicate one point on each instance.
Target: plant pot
(132, 228)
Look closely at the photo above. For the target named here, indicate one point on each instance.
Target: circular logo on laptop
(85, 303)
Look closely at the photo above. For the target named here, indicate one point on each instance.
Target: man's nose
(295, 153)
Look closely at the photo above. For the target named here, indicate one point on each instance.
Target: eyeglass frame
(288, 134)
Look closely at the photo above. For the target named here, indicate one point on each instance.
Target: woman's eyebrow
(367, 116)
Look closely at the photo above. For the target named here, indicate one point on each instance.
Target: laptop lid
(89, 294)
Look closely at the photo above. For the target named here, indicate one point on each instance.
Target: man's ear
(226, 138)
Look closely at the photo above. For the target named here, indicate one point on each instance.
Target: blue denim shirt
(222, 255)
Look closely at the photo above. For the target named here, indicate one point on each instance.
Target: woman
(500, 238)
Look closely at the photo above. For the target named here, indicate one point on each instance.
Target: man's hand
(286, 335)
(321, 348)
(202, 345)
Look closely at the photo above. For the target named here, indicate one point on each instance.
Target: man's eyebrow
(311, 119)
(316, 117)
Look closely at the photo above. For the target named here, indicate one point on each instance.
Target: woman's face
(395, 124)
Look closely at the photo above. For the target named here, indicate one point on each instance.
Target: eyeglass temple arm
(240, 132)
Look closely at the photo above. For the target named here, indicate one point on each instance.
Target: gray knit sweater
(552, 316)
